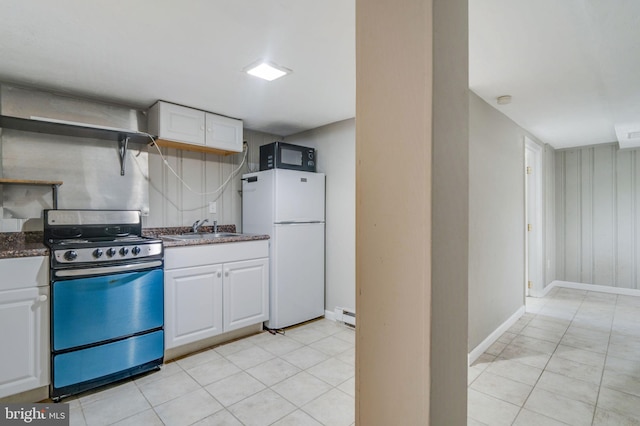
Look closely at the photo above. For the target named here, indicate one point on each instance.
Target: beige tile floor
(573, 358)
(305, 377)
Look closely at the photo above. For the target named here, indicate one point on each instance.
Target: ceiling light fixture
(628, 134)
(504, 100)
(267, 70)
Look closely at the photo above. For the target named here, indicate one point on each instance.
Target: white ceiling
(571, 66)
(190, 52)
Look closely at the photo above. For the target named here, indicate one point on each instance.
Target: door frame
(533, 210)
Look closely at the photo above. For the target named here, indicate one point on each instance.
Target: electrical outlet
(212, 207)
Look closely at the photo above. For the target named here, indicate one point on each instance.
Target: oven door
(89, 311)
(105, 328)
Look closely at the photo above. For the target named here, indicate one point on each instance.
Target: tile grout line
(546, 364)
(606, 355)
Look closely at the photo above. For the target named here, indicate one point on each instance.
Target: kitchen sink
(200, 236)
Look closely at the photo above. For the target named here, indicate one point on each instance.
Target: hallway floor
(305, 377)
(573, 358)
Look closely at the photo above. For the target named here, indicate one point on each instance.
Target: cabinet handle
(43, 298)
(219, 274)
(226, 274)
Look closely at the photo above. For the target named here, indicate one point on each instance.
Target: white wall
(598, 221)
(335, 145)
(171, 203)
(496, 219)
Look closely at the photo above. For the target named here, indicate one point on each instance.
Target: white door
(223, 133)
(533, 210)
(299, 196)
(297, 274)
(181, 124)
(24, 327)
(193, 304)
(246, 293)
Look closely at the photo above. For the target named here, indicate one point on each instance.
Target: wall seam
(564, 215)
(615, 201)
(592, 164)
(632, 284)
(580, 250)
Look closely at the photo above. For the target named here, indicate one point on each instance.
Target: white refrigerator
(288, 205)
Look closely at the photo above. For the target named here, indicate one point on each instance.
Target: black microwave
(280, 155)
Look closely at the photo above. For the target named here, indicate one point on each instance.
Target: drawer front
(99, 361)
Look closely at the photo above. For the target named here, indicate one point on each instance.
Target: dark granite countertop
(22, 244)
(168, 242)
(26, 244)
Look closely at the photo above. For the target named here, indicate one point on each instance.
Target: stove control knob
(71, 255)
(111, 252)
(135, 251)
(97, 253)
(124, 251)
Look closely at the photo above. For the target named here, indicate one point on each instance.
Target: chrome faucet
(215, 226)
(198, 223)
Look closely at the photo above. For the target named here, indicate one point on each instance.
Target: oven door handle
(103, 270)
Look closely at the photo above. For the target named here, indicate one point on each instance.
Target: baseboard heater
(345, 316)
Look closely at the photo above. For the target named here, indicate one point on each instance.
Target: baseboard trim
(493, 337)
(548, 288)
(594, 287)
(330, 315)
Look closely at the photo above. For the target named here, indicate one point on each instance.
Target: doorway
(534, 261)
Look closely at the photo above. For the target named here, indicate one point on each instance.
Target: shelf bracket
(54, 188)
(122, 151)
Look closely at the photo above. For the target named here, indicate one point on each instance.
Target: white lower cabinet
(193, 304)
(246, 293)
(216, 288)
(24, 324)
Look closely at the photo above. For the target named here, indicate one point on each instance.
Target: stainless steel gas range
(107, 298)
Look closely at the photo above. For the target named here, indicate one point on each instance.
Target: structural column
(411, 212)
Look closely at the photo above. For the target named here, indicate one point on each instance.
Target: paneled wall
(176, 203)
(597, 199)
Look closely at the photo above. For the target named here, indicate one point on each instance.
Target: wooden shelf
(53, 183)
(30, 182)
(191, 147)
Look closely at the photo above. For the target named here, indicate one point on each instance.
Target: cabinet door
(193, 304)
(181, 124)
(224, 133)
(246, 293)
(24, 327)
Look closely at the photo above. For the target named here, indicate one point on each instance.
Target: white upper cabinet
(223, 133)
(192, 129)
(177, 123)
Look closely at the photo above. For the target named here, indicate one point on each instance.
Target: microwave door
(290, 158)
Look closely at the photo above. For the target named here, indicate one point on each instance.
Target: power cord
(245, 149)
(274, 331)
